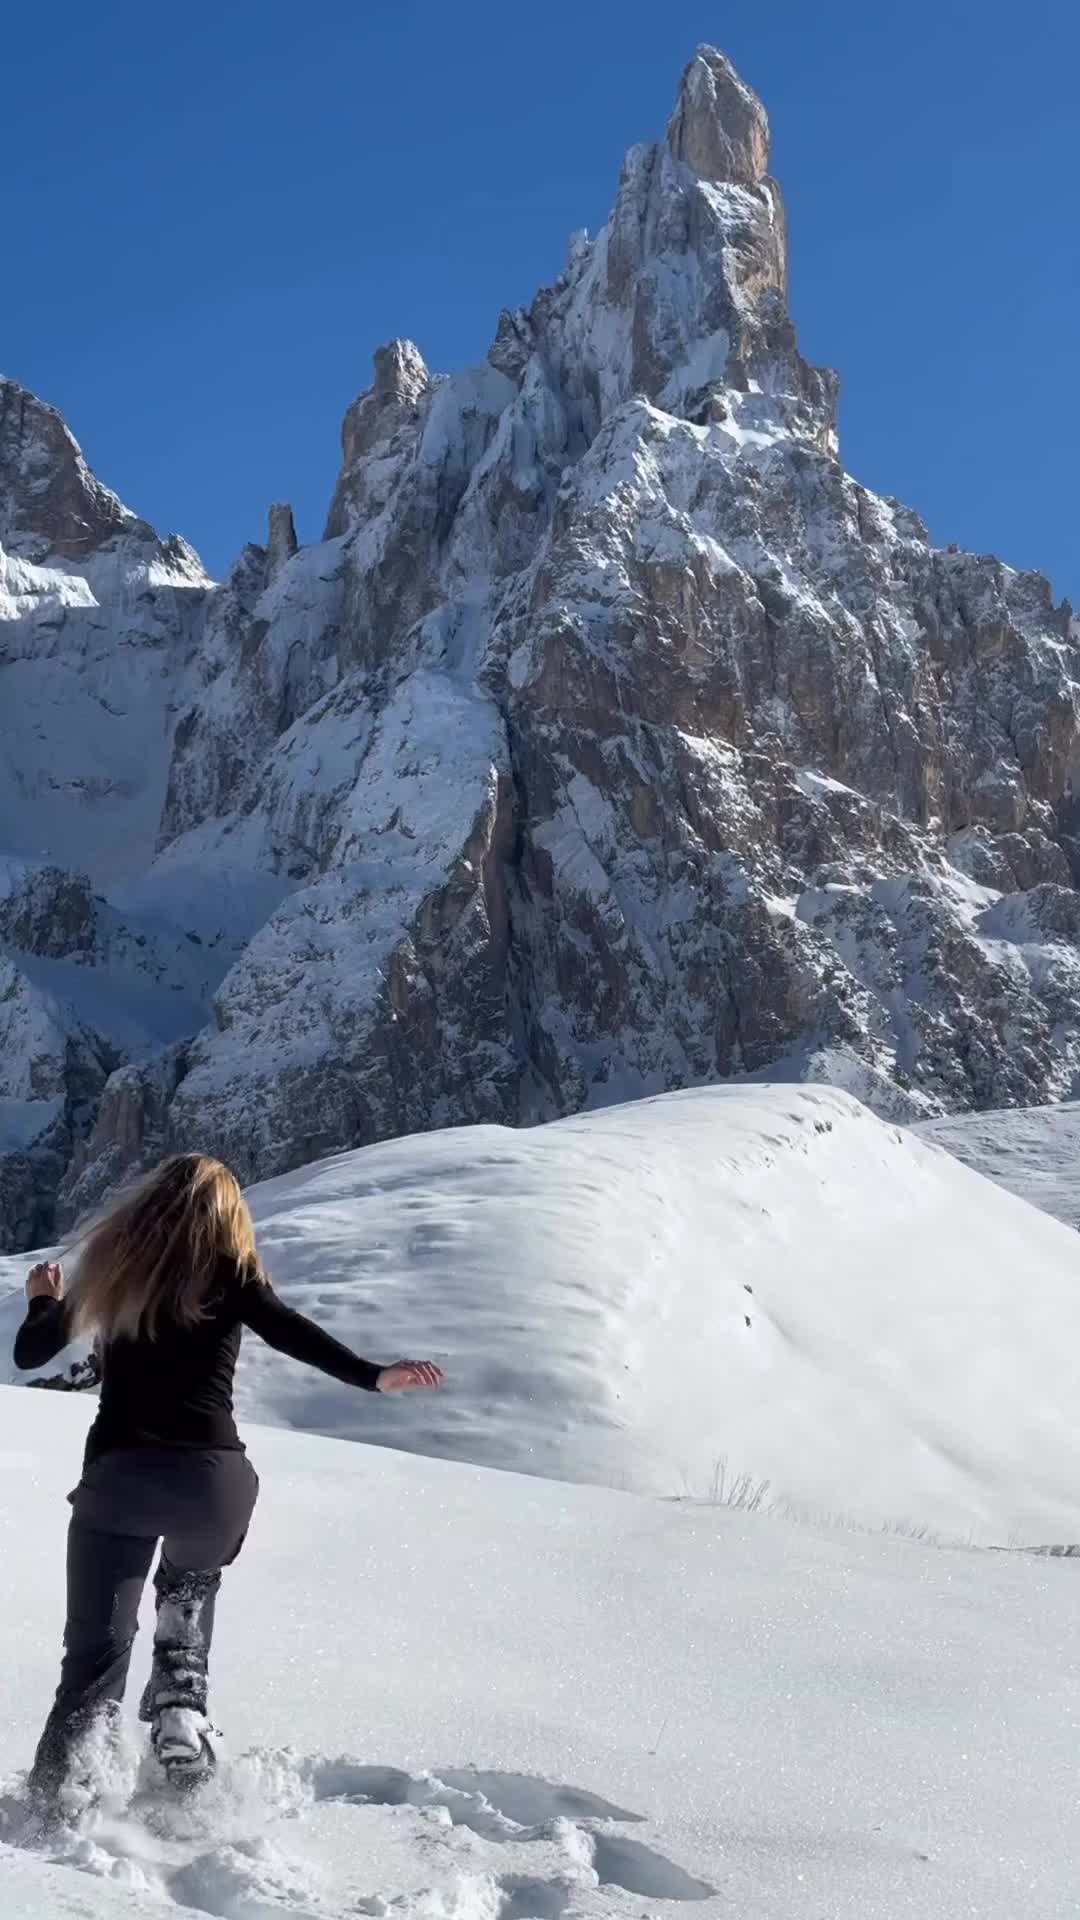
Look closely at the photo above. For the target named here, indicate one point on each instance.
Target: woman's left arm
(293, 1333)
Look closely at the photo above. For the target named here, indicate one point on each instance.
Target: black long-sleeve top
(177, 1390)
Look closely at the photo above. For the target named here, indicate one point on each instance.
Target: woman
(166, 1282)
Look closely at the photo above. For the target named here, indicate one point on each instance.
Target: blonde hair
(152, 1259)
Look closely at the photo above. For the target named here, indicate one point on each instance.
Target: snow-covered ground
(452, 1694)
(457, 1694)
(1033, 1151)
(733, 1281)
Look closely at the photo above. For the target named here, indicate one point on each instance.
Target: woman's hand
(45, 1281)
(411, 1376)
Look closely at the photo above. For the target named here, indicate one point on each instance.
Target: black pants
(199, 1505)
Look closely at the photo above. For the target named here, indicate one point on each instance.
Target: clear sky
(213, 213)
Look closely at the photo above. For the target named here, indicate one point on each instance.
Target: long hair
(151, 1261)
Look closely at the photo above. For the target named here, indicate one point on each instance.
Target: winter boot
(183, 1746)
(175, 1698)
(77, 1762)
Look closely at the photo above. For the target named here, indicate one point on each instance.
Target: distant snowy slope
(768, 1277)
(409, 1651)
(1033, 1151)
(96, 657)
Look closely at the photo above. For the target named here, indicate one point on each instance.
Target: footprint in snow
(515, 1808)
(225, 1854)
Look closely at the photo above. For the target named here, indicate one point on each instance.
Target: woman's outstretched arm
(45, 1332)
(293, 1333)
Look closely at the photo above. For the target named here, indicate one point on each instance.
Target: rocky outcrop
(131, 1129)
(390, 408)
(29, 1179)
(614, 738)
(719, 128)
(49, 500)
(281, 541)
(81, 991)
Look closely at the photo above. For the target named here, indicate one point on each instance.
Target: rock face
(719, 129)
(49, 499)
(613, 738)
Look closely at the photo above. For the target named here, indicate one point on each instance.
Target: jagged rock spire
(281, 541)
(719, 127)
(392, 401)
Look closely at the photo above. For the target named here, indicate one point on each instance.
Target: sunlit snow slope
(764, 1278)
(811, 1724)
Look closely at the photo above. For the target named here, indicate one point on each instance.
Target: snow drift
(738, 1280)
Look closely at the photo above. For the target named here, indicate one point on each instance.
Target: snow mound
(665, 1296)
(767, 1278)
(457, 1695)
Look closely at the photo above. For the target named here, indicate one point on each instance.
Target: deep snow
(747, 1280)
(811, 1723)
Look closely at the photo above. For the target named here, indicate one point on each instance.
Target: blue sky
(213, 214)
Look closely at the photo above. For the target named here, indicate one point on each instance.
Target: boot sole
(185, 1770)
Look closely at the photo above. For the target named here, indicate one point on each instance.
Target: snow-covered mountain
(613, 739)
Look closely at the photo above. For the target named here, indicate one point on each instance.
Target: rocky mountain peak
(392, 402)
(400, 374)
(50, 502)
(613, 739)
(719, 127)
